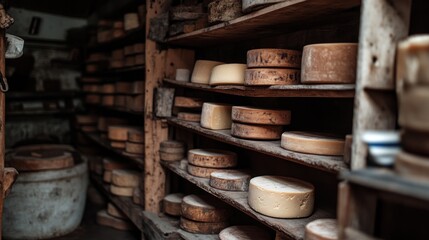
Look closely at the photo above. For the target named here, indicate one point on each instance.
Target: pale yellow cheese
(125, 178)
(321, 229)
(131, 21)
(281, 197)
(203, 70)
(226, 74)
(245, 232)
(216, 116)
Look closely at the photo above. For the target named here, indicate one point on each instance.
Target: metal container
(46, 204)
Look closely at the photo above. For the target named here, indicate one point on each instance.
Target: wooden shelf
(130, 37)
(118, 109)
(126, 70)
(326, 163)
(133, 211)
(105, 144)
(319, 91)
(294, 228)
(265, 22)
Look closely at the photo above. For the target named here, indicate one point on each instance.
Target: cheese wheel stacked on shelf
(109, 165)
(134, 147)
(124, 182)
(203, 215)
(86, 123)
(266, 67)
(131, 21)
(118, 135)
(216, 116)
(321, 229)
(117, 58)
(189, 109)
(313, 143)
(172, 150)
(118, 29)
(230, 180)
(228, 74)
(203, 70)
(172, 204)
(257, 123)
(412, 81)
(112, 217)
(244, 232)
(203, 162)
(28, 160)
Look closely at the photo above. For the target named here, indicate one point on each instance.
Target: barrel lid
(41, 159)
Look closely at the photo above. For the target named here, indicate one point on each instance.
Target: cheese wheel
(105, 219)
(204, 208)
(135, 136)
(131, 21)
(414, 110)
(213, 158)
(125, 178)
(271, 76)
(281, 197)
(108, 100)
(260, 116)
(203, 70)
(137, 197)
(282, 58)
(123, 87)
(86, 119)
(136, 148)
(172, 144)
(139, 48)
(108, 88)
(137, 103)
(412, 166)
(92, 99)
(116, 63)
(130, 61)
(41, 160)
(186, 102)
(202, 227)
(190, 117)
(230, 180)
(118, 144)
(257, 132)
(182, 75)
(415, 142)
(172, 150)
(329, 63)
(89, 129)
(216, 116)
(113, 211)
(120, 101)
(118, 24)
(227, 74)
(121, 191)
(171, 156)
(313, 143)
(321, 229)
(202, 172)
(129, 50)
(119, 133)
(118, 54)
(172, 204)
(107, 176)
(110, 165)
(244, 233)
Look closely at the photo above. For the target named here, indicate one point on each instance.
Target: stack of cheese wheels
(245, 232)
(202, 162)
(172, 204)
(216, 116)
(87, 123)
(172, 150)
(118, 135)
(108, 97)
(134, 147)
(413, 97)
(203, 214)
(117, 58)
(203, 70)
(189, 109)
(313, 143)
(268, 67)
(228, 74)
(281, 197)
(114, 218)
(230, 180)
(329, 63)
(321, 229)
(124, 182)
(257, 123)
(28, 160)
(109, 165)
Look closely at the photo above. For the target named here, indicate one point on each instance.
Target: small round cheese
(212, 158)
(226, 74)
(131, 21)
(244, 233)
(108, 100)
(203, 70)
(121, 191)
(139, 48)
(190, 117)
(123, 87)
(260, 116)
(89, 129)
(202, 172)
(119, 133)
(105, 219)
(172, 144)
(258, 132)
(172, 204)
(204, 208)
(113, 211)
(412, 166)
(202, 227)
(38, 160)
(216, 116)
(283, 58)
(321, 229)
(313, 143)
(230, 180)
(125, 178)
(108, 88)
(182, 75)
(271, 76)
(281, 197)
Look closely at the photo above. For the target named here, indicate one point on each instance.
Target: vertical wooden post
(2, 126)
(383, 24)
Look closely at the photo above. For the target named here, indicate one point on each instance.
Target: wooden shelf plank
(265, 22)
(133, 211)
(319, 91)
(326, 163)
(294, 228)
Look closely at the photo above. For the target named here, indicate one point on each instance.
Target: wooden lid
(38, 160)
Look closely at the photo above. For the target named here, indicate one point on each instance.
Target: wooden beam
(2, 125)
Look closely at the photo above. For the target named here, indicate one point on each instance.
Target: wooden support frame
(2, 127)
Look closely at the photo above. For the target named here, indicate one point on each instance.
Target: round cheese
(137, 103)
(230, 180)
(186, 102)
(257, 132)
(203, 70)
(121, 191)
(137, 197)
(216, 116)
(129, 50)
(41, 160)
(110, 165)
(113, 211)
(86, 119)
(172, 150)
(119, 133)
(118, 144)
(415, 142)
(172, 204)
(414, 110)
(244, 233)
(135, 136)
(213, 158)
(282, 58)
(202, 172)
(107, 176)
(108, 88)
(321, 229)
(329, 63)
(116, 63)
(89, 129)
(171, 156)
(125, 178)
(92, 99)
(190, 117)
(136, 148)
(108, 100)
(202, 227)
(260, 116)
(204, 208)
(271, 76)
(131, 21)
(412, 166)
(281, 197)
(139, 48)
(172, 144)
(182, 75)
(123, 87)
(313, 143)
(227, 74)
(105, 219)
(118, 54)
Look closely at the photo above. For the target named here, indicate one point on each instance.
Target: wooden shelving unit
(116, 71)
(129, 37)
(118, 109)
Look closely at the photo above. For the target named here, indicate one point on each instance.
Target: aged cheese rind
(271, 76)
(171, 156)
(103, 218)
(202, 227)
(172, 204)
(172, 144)
(125, 178)
(266, 57)
(412, 166)
(190, 117)
(113, 211)
(216, 116)
(415, 142)
(136, 148)
(321, 229)
(213, 158)
(226, 74)
(121, 191)
(313, 143)
(281, 197)
(135, 136)
(202, 172)
(117, 144)
(244, 232)
(204, 209)
(260, 116)
(414, 110)
(186, 102)
(329, 63)
(257, 132)
(119, 133)
(230, 180)
(203, 70)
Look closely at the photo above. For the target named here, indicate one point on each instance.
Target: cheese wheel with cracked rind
(135, 136)
(281, 197)
(203, 70)
(412, 166)
(186, 102)
(38, 160)
(260, 116)
(190, 117)
(136, 148)
(104, 219)
(329, 63)
(321, 229)
(113, 211)
(270, 57)
(212, 158)
(172, 204)
(125, 178)
(121, 191)
(244, 232)
(204, 208)
(202, 227)
(257, 132)
(202, 172)
(414, 110)
(107, 176)
(230, 180)
(228, 74)
(92, 98)
(313, 143)
(415, 142)
(216, 116)
(271, 76)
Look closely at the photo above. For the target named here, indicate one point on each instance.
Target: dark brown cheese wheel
(260, 116)
(108, 88)
(256, 132)
(172, 204)
(104, 219)
(120, 101)
(281, 58)
(118, 144)
(202, 227)
(108, 100)
(123, 87)
(204, 208)
(202, 172)
(212, 158)
(89, 129)
(136, 148)
(129, 50)
(39, 160)
(271, 76)
(230, 180)
(415, 142)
